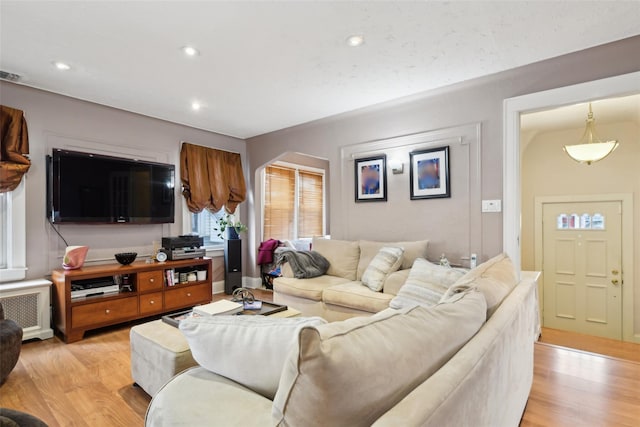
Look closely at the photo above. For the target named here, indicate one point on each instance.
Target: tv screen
(91, 188)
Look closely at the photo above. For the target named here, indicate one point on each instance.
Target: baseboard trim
(218, 287)
(247, 282)
(251, 282)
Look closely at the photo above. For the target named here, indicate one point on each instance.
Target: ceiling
(265, 66)
(609, 110)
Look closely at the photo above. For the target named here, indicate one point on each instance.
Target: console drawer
(151, 303)
(186, 297)
(150, 280)
(112, 311)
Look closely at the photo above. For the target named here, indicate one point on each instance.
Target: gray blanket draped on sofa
(304, 264)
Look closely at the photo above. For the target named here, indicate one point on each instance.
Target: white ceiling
(270, 65)
(609, 110)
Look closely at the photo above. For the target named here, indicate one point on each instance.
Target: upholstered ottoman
(158, 352)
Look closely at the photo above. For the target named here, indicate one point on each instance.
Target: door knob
(615, 272)
(614, 281)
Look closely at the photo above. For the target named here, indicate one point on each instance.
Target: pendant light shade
(590, 148)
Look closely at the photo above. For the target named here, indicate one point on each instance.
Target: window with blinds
(311, 204)
(293, 203)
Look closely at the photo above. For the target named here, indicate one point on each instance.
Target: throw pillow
(495, 278)
(426, 284)
(249, 350)
(412, 250)
(352, 372)
(387, 261)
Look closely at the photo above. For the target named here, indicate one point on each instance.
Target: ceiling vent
(5, 75)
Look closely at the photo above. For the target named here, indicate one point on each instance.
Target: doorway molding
(625, 84)
(622, 85)
(628, 282)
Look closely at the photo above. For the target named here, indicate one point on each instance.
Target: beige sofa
(339, 294)
(440, 366)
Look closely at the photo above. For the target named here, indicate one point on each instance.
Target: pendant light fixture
(590, 148)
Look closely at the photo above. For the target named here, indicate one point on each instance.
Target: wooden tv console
(150, 295)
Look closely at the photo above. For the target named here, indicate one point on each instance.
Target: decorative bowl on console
(126, 258)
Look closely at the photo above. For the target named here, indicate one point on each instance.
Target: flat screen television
(96, 189)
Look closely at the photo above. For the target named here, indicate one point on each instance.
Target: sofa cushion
(350, 373)
(495, 278)
(382, 265)
(355, 295)
(395, 281)
(286, 270)
(306, 288)
(199, 397)
(426, 284)
(412, 250)
(343, 256)
(249, 350)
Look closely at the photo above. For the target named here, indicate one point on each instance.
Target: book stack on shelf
(170, 277)
(175, 277)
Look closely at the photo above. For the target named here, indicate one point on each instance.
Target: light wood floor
(88, 383)
(605, 346)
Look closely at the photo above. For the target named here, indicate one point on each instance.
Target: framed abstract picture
(371, 179)
(429, 177)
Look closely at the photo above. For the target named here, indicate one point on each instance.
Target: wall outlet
(492, 206)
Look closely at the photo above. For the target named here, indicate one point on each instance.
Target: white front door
(582, 259)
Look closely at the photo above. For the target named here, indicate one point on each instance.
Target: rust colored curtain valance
(15, 144)
(211, 178)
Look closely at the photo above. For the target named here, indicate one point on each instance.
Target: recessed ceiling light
(355, 40)
(190, 51)
(61, 66)
(195, 106)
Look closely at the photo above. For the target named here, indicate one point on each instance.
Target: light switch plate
(492, 206)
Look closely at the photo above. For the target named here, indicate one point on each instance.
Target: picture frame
(371, 179)
(429, 174)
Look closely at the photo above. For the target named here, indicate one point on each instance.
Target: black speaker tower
(232, 265)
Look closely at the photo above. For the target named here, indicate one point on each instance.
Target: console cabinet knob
(107, 311)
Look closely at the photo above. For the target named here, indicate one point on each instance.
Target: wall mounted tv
(96, 189)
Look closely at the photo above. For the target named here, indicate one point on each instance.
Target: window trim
(16, 235)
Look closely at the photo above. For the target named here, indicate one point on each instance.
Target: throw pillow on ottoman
(250, 350)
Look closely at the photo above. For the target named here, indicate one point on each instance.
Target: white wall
(55, 120)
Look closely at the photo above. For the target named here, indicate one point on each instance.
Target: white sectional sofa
(339, 294)
(438, 366)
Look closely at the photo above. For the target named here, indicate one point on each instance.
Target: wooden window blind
(293, 203)
(310, 204)
(279, 202)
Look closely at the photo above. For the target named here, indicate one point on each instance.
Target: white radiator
(28, 304)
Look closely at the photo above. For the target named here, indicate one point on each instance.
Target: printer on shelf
(183, 247)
